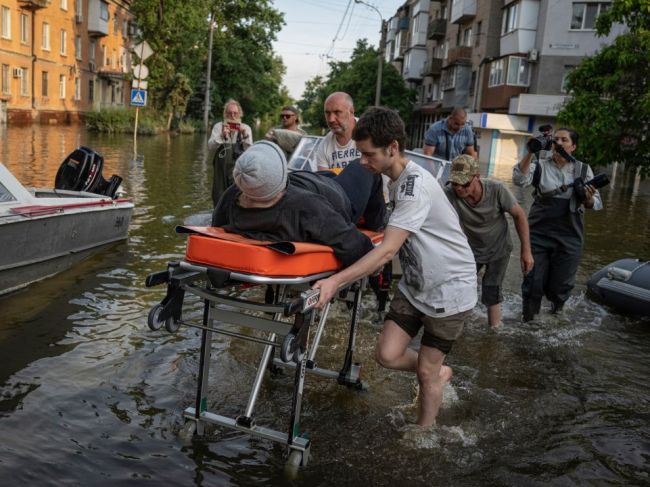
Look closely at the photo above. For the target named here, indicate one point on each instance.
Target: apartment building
(61, 58)
(505, 61)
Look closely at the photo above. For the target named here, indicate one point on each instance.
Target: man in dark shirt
(268, 203)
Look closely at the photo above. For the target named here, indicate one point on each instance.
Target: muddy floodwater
(90, 396)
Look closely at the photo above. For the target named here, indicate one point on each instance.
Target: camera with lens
(598, 181)
(544, 141)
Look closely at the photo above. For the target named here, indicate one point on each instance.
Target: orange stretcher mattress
(213, 246)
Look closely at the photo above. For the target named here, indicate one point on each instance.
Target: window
(113, 58)
(45, 41)
(78, 9)
(91, 52)
(477, 37)
(509, 18)
(105, 59)
(64, 41)
(116, 24)
(518, 71)
(6, 23)
(77, 47)
(5, 79)
(467, 37)
(44, 91)
(24, 83)
(125, 29)
(584, 14)
(91, 90)
(448, 80)
(64, 4)
(103, 11)
(496, 73)
(565, 78)
(62, 86)
(472, 84)
(24, 29)
(77, 89)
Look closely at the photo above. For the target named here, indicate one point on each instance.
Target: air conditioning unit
(18, 72)
(533, 54)
(92, 66)
(79, 18)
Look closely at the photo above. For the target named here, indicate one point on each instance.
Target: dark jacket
(314, 209)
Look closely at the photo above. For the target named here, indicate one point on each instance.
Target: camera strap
(580, 170)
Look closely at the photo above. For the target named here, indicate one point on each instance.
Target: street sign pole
(141, 72)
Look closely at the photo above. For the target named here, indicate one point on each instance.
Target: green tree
(358, 77)
(243, 64)
(177, 97)
(609, 104)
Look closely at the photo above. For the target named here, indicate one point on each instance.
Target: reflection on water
(88, 395)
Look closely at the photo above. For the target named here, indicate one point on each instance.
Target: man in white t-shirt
(438, 286)
(338, 149)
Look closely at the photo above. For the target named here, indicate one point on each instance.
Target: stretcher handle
(307, 300)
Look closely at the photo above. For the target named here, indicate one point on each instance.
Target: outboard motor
(82, 171)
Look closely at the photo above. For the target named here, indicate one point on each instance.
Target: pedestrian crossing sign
(138, 97)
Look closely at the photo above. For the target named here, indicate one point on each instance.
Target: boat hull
(34, 248)
(623, 285)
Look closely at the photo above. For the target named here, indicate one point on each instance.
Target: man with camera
(230, 138)
(555, 219)
(481, 205)
(450, 137)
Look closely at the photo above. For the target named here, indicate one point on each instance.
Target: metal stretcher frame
(296, 349)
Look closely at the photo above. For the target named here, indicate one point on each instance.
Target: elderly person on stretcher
(269, 203)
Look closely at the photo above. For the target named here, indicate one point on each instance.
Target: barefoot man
(438, 286)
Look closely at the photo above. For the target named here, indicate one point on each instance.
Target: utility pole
(206, 103)
(382, 50)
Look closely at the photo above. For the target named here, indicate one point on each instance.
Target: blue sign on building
(138, 97)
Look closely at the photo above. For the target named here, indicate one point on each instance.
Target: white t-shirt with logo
(439, 273)
(329, 153)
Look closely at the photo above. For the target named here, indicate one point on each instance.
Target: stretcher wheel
(153, 320)
(171, 325)
(187, 432)
(293, 464)
(290, 349)
(286, 354)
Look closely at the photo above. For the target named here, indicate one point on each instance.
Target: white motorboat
(45, 231)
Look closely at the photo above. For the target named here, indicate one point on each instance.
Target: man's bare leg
(494, 315)
(432, 376)
(392, 349)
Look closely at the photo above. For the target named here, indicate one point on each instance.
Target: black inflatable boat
(623, 285)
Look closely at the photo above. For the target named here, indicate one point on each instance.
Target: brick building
(61, 58)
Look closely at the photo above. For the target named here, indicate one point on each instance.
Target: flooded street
(90, 396)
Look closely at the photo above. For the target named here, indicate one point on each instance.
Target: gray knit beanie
(261, 171)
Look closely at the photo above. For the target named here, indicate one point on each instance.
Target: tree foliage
(609, 104)
(243, 64)
(357, 77)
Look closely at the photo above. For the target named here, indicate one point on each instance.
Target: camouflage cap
(463, 168)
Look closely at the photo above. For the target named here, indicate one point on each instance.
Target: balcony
(97, 18)
(32, 4)
(437, 29)
(462, 11)
(433, 67)
(459, 55)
